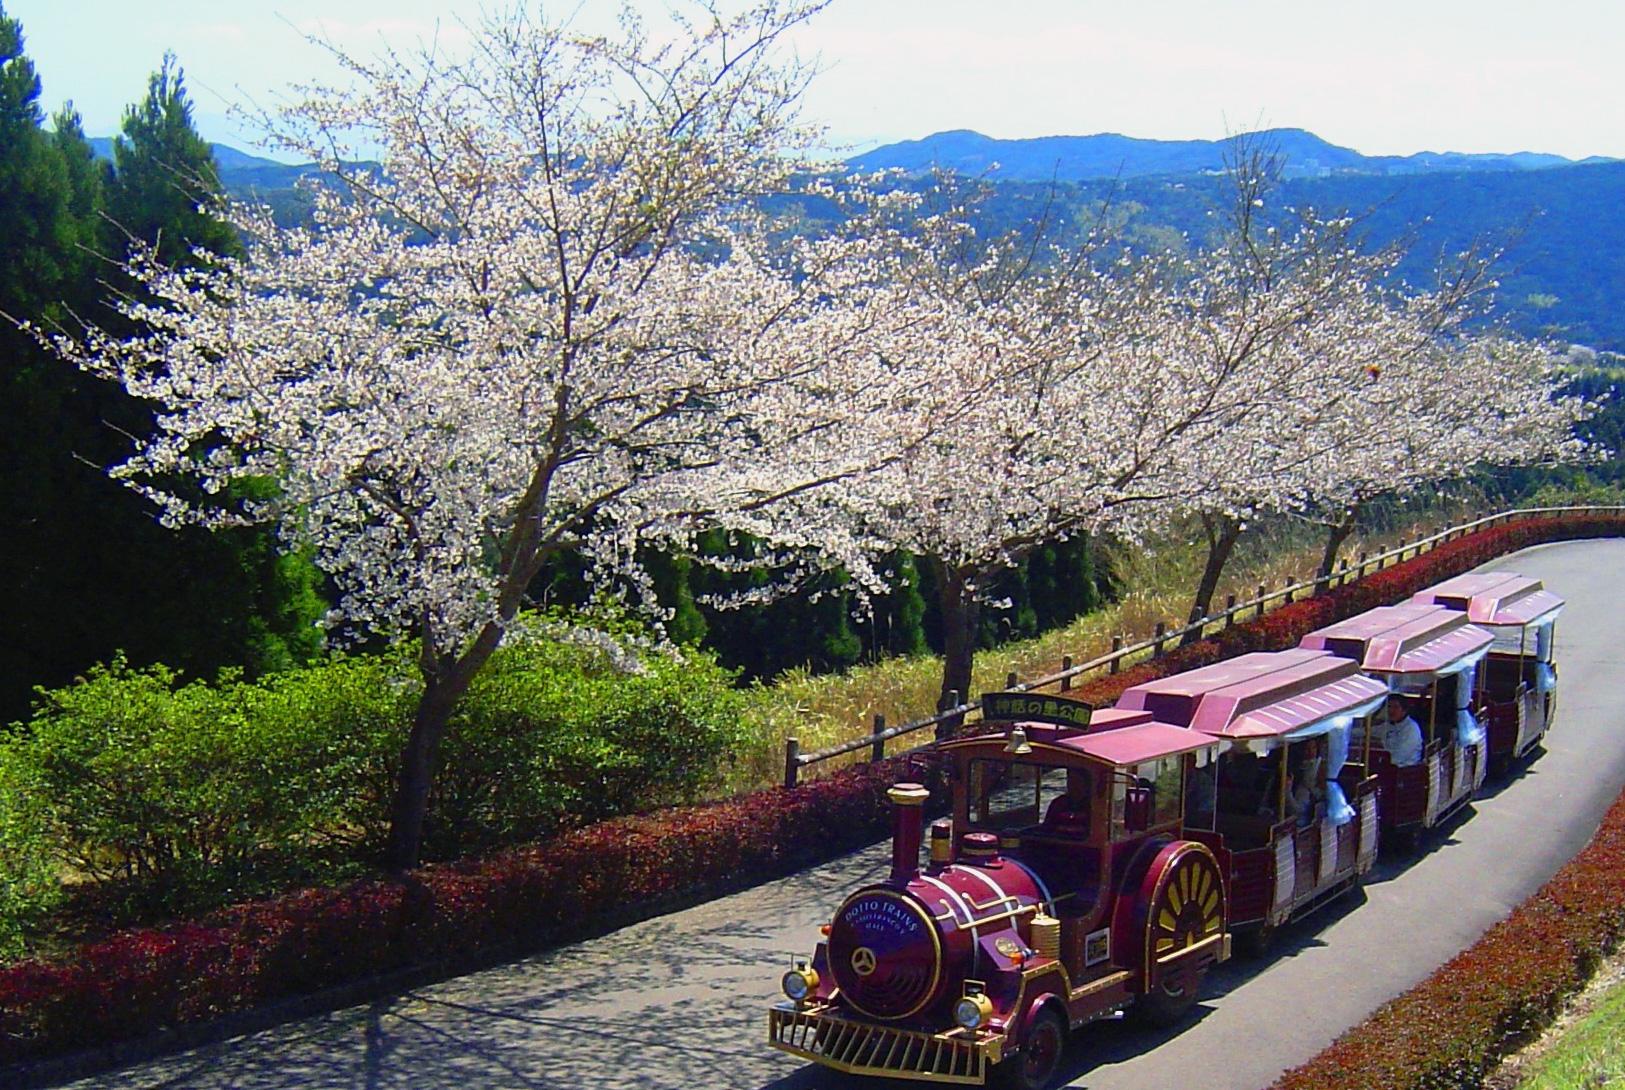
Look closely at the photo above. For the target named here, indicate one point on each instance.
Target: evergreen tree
(34, 205)
(166, 183)
(48, 221)
(94, 572)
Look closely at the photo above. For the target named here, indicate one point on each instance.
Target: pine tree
(93, 572)
(48, 217)
(166, 183)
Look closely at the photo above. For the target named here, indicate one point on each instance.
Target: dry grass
(825, 710)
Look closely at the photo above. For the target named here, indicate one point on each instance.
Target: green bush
(181, 794)
(29, 887)
(553, 734)
(159, 797)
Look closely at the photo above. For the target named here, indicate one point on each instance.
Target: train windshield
(1009, 795)
(1164, 780)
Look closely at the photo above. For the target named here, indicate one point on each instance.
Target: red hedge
(141, 981)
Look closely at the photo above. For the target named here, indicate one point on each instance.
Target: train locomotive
(1060, 891)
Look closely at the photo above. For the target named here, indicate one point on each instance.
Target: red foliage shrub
(140, 981)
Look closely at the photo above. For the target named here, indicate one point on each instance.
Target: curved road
(679, 1001)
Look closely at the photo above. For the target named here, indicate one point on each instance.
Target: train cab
(1428, 745)
(1292, 819)
(1519, 676)
(1060, 889)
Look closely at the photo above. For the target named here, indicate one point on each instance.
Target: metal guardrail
(954, 711)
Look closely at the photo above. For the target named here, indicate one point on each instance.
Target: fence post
(1156, 648)
(792, 760)
(945, 729)
(1229, 610)
(1117, 648)
(1342, 572)
(1363, 555)
(877, 748)
(1066, 665)
(1261, 599)
(1288, 586)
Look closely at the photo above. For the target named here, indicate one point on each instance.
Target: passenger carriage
(1519, 674)
(1427, 747)
(1292, 822)
(1062, 889)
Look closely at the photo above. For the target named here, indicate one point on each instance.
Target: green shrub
(169, 797)
(554, 734)
(29, 888)
(181, 794)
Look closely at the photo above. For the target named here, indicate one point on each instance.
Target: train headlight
(800, 982)
(973, 1011)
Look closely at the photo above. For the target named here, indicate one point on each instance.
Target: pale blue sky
(1382, 76)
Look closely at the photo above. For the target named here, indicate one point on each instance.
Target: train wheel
(1040, 1055)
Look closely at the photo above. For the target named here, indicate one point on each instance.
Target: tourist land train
(1097, 862)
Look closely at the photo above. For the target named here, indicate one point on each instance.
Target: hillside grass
(1159, 577)
(1589, 1055)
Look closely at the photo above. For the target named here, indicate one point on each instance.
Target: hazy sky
(1381, 76)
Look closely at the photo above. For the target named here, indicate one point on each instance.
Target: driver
(1069, 813)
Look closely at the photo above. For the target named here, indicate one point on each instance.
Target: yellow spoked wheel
(1187, 909)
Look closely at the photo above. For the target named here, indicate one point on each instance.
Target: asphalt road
(679, 1001)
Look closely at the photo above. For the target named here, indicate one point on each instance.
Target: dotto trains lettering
(1097, 861)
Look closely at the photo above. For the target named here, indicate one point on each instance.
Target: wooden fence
(954, 709)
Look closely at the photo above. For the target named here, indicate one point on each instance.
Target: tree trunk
(410, 807)
(1338, 534)
(960, 612)
(1222, 533)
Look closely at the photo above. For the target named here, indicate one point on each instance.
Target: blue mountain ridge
(1113, 155)
(240, 171)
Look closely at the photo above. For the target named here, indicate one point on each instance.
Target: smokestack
(908, 828)
(942, 843)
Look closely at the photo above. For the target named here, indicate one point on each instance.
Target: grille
(862, 1049)
(893, 991)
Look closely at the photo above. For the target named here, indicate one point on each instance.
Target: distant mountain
(240, 172)
(1112, 155)
(1564, 275)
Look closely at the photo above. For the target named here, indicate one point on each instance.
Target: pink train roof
(1496, 598)
(1410, 638)
(1116, 737)
(1261, 695)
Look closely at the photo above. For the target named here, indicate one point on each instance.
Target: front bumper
(817, 1032)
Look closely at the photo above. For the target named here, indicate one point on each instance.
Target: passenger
(1400, 735)
(1068, 813)
(1306, 791)
(1202, 795)
(1304, 800)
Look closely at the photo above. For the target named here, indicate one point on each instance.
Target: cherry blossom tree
(1437, 404)
(1327, 321)
(546, 320)
(1087, 401)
